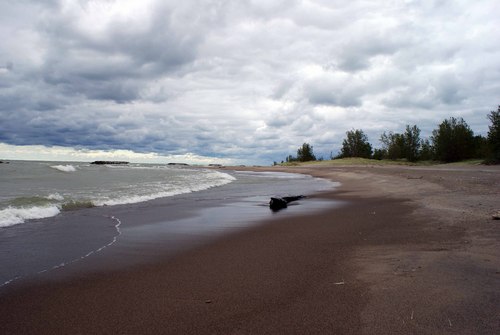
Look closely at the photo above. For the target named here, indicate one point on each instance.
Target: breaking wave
(64, 168)
(21, 209)
(211, 179)
(11, 215)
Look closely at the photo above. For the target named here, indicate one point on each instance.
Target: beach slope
(414, 250)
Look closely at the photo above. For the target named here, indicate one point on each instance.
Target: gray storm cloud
(250, 80)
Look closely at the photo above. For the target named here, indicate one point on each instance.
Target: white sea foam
(168, 186)
(55, 196)
(132, 199)
(209, 180)
(11, 215)
(64, 168)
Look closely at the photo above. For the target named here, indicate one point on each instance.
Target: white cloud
(44, 153)
(245, 80)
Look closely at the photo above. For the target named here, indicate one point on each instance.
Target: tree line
(452, 141)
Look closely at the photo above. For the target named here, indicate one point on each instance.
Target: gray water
(35, 190)
(197, 205)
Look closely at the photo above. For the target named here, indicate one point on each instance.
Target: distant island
(178, 164)
(109, 163)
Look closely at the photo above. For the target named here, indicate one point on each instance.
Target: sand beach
(412, 250)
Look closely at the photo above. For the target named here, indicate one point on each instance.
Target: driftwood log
(277, 203)
(496, 216)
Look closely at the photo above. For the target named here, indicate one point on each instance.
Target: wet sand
(413, 251)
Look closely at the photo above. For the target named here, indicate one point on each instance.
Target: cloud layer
(249, 80)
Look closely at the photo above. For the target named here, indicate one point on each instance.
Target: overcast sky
(237, 81)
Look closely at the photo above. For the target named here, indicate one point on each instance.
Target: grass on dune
(372, 162)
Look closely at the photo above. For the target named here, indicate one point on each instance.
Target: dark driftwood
(277, 203)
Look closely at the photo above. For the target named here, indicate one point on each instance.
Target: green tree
(305, 153)
(453, 140)
(411, 143)
(494, 136)
(481, 147)
(393, 145)
(379, 154)
(398, 146)
(356, 145)
(426, 151)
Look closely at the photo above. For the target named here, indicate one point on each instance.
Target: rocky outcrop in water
(109, 163)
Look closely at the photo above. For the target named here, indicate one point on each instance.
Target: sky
(237, 82)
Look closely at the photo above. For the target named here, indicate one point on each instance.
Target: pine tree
(305, 153)
(453, 141)
(356, 145)
(494, 136)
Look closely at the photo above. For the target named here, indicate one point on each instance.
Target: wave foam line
(64, 168)
(115, 238)
(10, 281)
(11, 215)
(63, 264)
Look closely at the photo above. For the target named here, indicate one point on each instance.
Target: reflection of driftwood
(277, 203)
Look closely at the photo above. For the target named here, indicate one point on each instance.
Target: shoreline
(413, 251)
(41, 250)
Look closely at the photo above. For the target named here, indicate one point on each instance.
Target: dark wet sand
(382, 264)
